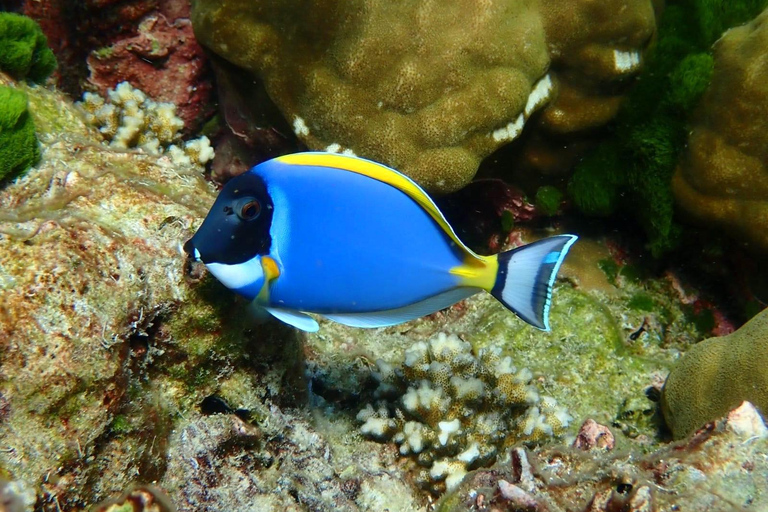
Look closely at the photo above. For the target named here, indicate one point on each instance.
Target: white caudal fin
(526, 275)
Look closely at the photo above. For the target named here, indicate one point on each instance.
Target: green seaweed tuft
(24, 52)
(548, 200)
(641, 302)
(594, 186)
(18, 144)
(689, 80)
(637, 161)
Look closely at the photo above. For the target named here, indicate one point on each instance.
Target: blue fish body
(359, 243)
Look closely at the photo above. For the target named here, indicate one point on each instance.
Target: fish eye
(247, 208)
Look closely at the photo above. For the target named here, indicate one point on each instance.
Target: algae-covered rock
(430, 88)
(88, 258)
(107, 354)
(722, 179)
(716, 375)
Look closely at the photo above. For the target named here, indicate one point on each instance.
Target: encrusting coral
(453, 411)
(716, 375)
(722, 178)
(18, 143)
(430, 88)
(129, 119)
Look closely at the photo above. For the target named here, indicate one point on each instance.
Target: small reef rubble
(687, 475)
(452, 410)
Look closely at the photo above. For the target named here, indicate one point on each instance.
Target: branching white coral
(127, 118)
(454, 411)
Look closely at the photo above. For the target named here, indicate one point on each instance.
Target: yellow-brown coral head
(716, 375)
(722, 179)
(429, 88)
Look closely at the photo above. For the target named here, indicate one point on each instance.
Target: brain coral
(716, 375)
(428, 87)
(722, 179)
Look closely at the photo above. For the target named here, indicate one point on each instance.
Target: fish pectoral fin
(297, 319)
(399, 315)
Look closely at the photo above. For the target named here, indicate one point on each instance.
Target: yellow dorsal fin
(389, 176)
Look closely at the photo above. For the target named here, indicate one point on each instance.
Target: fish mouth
(191, 250)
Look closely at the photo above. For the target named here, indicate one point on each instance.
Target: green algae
(19, 149)
(120, 425)
(548, 200)
(631, 170)
(641, 302)
(24, 52)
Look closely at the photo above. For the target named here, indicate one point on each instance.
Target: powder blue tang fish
(360, 244)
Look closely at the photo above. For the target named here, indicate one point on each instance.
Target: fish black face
(237, 227)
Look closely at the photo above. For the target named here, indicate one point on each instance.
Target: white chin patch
(237, 276)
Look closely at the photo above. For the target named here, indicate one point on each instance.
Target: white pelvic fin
(526, 275)
(404, 314)
(297, 319)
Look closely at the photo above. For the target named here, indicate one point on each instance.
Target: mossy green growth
(24, 52)
(641, 302)
(716, 375)
(632, 169)
(548, 200)
(120, 425)
(18, 144)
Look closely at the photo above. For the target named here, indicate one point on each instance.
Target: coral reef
(430, 89)
(146, 42)
(722, 178)
(113, 347)
(684, 476)
(717, 374)
(632, 170)
(128, 118)
(453, 410)
(24, 52)
(18, 143)
(163, 60)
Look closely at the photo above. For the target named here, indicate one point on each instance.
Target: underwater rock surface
(106, 352)
(722, 180)
(88, 257)
(431, 88)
